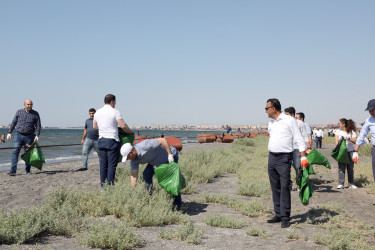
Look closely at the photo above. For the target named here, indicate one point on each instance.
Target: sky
(187, 62)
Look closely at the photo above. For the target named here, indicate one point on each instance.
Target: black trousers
(279, 165)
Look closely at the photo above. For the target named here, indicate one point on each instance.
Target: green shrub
(110, 235)
(250, 208)
(257, 231)
(223, 221)
(187, 233)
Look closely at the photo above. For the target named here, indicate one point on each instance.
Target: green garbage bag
(170, 178)
(34, 156)
(304, 184)
(317, 158)
(125, 138)
(340, 152)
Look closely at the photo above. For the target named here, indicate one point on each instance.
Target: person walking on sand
(153, 152)
(107, 120)
(229, 130)
(89, 140)
(301, 116)
(296, 163)
(319, 137)
(347, 132)
(27, 124)
(369, 126)
(283, 130)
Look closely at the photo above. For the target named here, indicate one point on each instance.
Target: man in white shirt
(107, 120)
(301, 116)
(283, 130)
(296, 163)
(319, 134)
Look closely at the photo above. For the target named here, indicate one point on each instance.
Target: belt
(24, 134)
(278, 154)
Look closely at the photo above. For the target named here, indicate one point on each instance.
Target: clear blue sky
(187, 62)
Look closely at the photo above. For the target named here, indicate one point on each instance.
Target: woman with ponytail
(347, 130)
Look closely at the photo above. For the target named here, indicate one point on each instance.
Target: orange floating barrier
(206, 138)
(228, 138)
(174, 142)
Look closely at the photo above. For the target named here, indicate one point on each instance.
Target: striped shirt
(26, 123)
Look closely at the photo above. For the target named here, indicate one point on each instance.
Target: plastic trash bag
(124, 138)
(170, 178)
(34, 156)
(340, 152)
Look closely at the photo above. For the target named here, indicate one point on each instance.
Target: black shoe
(82, 169)
(10, 173)
(285, 223)
(274, 220)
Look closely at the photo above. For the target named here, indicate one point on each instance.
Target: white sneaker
(340, 186)
(353, 186)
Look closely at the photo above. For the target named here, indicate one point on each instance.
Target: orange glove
(355, 157)
(304, 162)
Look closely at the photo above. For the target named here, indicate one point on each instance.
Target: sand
(24, 191)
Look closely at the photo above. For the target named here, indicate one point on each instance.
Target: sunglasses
(268, 108)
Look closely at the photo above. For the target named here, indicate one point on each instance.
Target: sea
(65, 152)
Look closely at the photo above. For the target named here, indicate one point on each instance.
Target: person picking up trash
(153, 152)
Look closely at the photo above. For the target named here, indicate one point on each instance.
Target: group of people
(101, 133)
(289, 143)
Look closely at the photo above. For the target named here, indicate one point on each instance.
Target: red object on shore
(238, 135)
(138, 139)
(252, 135)
(206, 138)
(228, 138)
(174, 142)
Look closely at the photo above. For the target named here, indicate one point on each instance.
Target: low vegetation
(217, 220)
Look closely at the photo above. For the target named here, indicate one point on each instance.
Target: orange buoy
(238, 135)
(252, 135)
(174, 142)
(228, 138)
(206, 138)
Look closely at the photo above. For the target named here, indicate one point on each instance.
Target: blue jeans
(20, 141)
(109, 150)
(87, 146)
(149, 172)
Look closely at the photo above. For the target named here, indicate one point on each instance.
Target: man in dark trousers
(283, 130)
(27, 124)
(153, 152)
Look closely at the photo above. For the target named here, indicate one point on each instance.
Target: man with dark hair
(283, 130)
(301, 116)
(27, 124)
(107, 120)
(369, 126)
(89, 139)
(296, 163)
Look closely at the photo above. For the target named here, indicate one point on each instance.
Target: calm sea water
(74, 136)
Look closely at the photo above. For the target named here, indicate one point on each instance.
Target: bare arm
(95, 125)
(121, 123)
(163, 142)
(84, 136)
(133, 177)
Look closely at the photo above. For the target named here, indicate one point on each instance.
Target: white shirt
(319, 133)
(106, 118)
(283, 131)
(349, 144)
(302, 129)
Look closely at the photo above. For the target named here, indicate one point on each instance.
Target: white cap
(125, 150)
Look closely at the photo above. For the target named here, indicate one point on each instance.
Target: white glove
(36, 138)
(170, 158)
(355, 157)
(9, 136)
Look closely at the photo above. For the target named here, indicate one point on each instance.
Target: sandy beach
(23, 191)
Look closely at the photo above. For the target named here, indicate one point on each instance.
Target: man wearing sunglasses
(283, 130)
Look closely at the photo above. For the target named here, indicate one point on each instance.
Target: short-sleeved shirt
(349, 144)
(229, 129)
(150, 152)
(92, 133)
(308, 129)
(106, 119)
